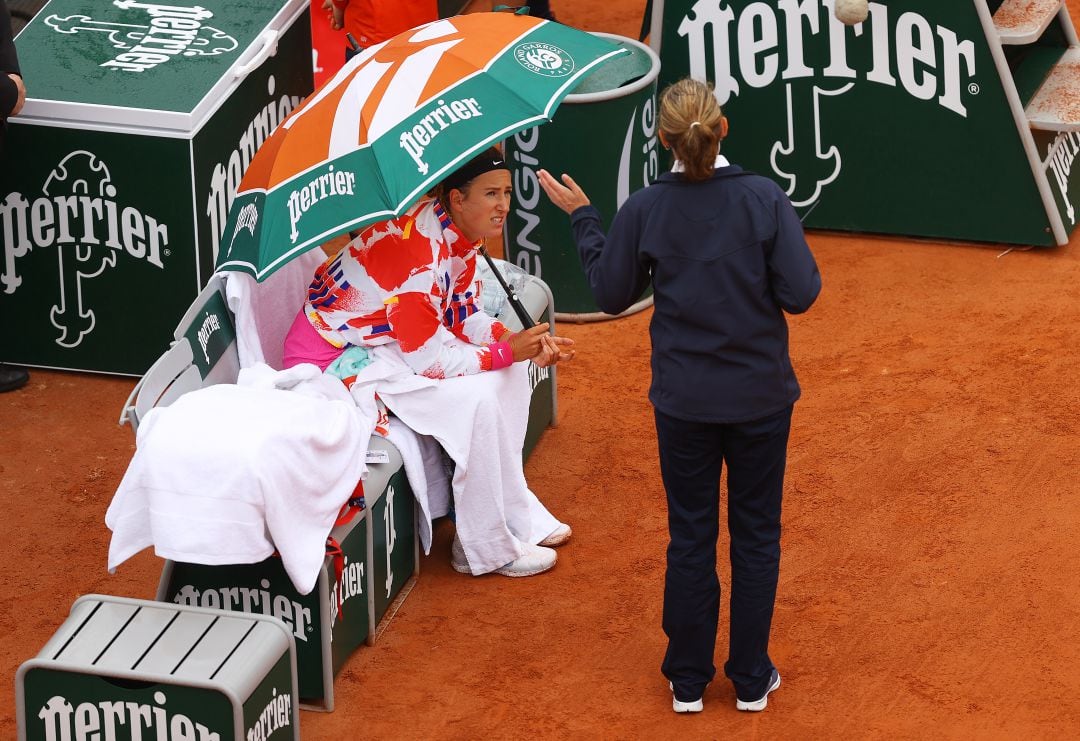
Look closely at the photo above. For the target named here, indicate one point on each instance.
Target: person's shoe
(536, 560)
(457, 557)
(755, 706)
(12, 378)
(692, 706)
(557, 537)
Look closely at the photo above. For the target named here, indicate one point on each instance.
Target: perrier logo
(171, 30)
(78, 216)
(801, 45)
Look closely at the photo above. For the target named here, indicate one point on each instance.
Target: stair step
(1056, 104)
(1030, 65)
(1023, 21)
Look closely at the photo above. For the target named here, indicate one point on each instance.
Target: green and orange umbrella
(393, 122)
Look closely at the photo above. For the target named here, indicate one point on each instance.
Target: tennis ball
(851, 12)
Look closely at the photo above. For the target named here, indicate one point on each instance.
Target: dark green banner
(898, 125)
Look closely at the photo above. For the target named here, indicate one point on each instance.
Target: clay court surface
(928, 588)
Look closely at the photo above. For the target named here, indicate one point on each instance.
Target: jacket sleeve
(616, 274)
(793, 272)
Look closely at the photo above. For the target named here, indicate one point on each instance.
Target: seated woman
(406, 290)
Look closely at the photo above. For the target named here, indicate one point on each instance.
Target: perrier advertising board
(912, 122)
(117, 176)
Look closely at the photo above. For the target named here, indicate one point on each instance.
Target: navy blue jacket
(726, 257)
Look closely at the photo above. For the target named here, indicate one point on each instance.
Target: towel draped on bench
(230, 473)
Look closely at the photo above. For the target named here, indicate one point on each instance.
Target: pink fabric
(501, 355)
(304, 345)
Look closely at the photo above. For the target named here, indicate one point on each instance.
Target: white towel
(229, 473)
(263, 312)
(426, 468)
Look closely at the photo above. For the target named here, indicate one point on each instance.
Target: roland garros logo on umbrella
(544, 59)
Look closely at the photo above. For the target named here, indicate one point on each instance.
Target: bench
(373, 560)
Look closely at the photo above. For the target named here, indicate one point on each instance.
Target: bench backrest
(203, 353)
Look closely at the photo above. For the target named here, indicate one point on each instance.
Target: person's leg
(480, 421)
(690, 464)
(755, 453)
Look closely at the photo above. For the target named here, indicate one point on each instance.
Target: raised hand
(568, 197)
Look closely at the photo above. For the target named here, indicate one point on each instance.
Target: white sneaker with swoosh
(754, 706)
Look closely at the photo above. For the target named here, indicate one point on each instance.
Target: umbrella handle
(515, 303)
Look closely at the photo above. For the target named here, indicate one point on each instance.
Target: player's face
(480, 210)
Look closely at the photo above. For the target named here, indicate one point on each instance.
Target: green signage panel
(902, 124)
(540, 407)
(93, 239)
(268, 713)
(1059, 151)
(223, 148)
(114, 191)
(393, 526)
(132, 54)
(210, 333)
(64, 704)
(350, 622)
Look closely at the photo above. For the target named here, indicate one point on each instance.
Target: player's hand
(542, 348)
(529, 343)
(568, 197)
(556, 350)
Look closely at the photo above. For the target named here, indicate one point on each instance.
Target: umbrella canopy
(393, 122)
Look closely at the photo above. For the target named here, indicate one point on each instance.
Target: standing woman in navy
(726, 256)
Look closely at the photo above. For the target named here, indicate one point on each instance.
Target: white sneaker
(693, 706)
(458, 559)
(536, 560)
(557, 537)
(755, 706)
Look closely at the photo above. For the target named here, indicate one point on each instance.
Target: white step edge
(1023, 21)
(1056, 104)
